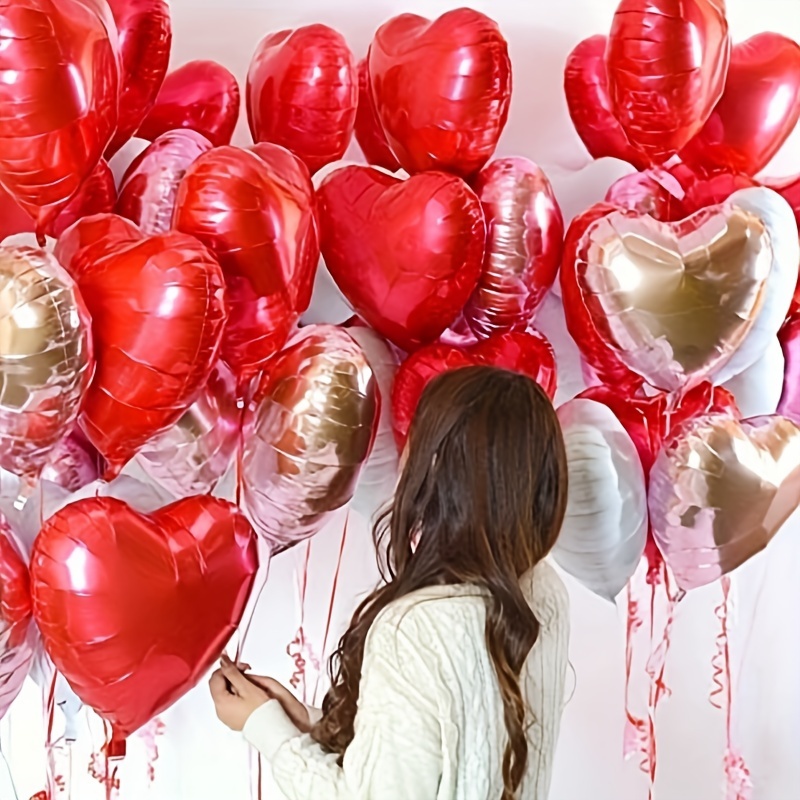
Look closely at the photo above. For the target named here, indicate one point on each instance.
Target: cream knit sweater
(430, 716)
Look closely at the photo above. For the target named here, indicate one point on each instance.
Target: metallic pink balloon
(308, 433)
(17, 634)
(789, 338)
(525, 236)
(45, 357)
(192, 456)
(720, 491)
(150, 186)
(74, 463)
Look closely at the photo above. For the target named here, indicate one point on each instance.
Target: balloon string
(299, 649)
(102, 772)
(150, 734)
(331, 603)
(8, 773)
(262, 577)
(635, 727)
(656, 667)
(737, 774)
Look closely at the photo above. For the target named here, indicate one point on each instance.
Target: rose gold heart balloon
(308, 434)
(524, 238)
(150, 185)
(674, 300)
(720, 491)
(46, 358)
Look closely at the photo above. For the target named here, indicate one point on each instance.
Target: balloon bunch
(681, 281)
(163, 337)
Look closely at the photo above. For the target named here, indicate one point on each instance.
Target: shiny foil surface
(45, 357)
(149, 187)
(720, 491)
(134, 609)
(368, 130)
(524, 239)
(407, 254)
(442, 89)
(675, 300)
(302, 93)
(308, 434)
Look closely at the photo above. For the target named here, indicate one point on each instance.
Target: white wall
(201, 761)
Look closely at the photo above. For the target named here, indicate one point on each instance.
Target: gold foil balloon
(308, 433)
(45, 357)
(193, 456)
(675, 300)
(720, 491)
(525, 236)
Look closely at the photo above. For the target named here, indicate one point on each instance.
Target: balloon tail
(635, 726)
(737, 774)
(299, 649)
(150, 735)
(331, 603)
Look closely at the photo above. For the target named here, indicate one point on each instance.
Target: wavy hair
(480, 501)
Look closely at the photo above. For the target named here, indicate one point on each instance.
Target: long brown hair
(480, 501)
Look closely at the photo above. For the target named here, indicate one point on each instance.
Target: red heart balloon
(145, 39)
(95, 237)
(758, 110)
(200, 95)
(441, 89)
(369, 133)
(302, 93)
(586, 89)
(528, 353)
(134, 609)
(406, 254)
(140, 291)
(666, 62)
(58, 100)
(259, 219)
(97, 195)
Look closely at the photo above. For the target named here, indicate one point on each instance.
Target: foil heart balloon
(140, 290)
(406, 254)
(259, 219)
(604, 533)
(145, 39)
(308, 434)
(96, 195)
(202, 96)
(789, 337)
(17, 634)
(528, 353)
(75, 463)
(524, 238)
(46, 358)
(134, 609)
(58, 100)
(195, 453)
(586, 90)
(758, 110)
(149, 188)
(369, 133)
(666, 62)
(302, 93)
(91, 239)
(720, 491)
(674, 301)
(432, 119)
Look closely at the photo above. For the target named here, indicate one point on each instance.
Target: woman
(449, 683)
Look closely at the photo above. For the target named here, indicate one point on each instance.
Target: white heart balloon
(780, 222)
(758, 389)
(605, 528)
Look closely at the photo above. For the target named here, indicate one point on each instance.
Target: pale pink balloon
(150, 185)
(525, 237)
(193, 456)
(308, 434)
(720, 491)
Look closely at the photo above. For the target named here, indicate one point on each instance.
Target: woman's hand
(236, 696)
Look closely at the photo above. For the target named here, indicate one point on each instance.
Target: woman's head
(483, 487)
(480, 500)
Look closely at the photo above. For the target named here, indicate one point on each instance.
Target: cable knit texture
(430, 716)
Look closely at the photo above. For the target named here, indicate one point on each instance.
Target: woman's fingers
(240, 683)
